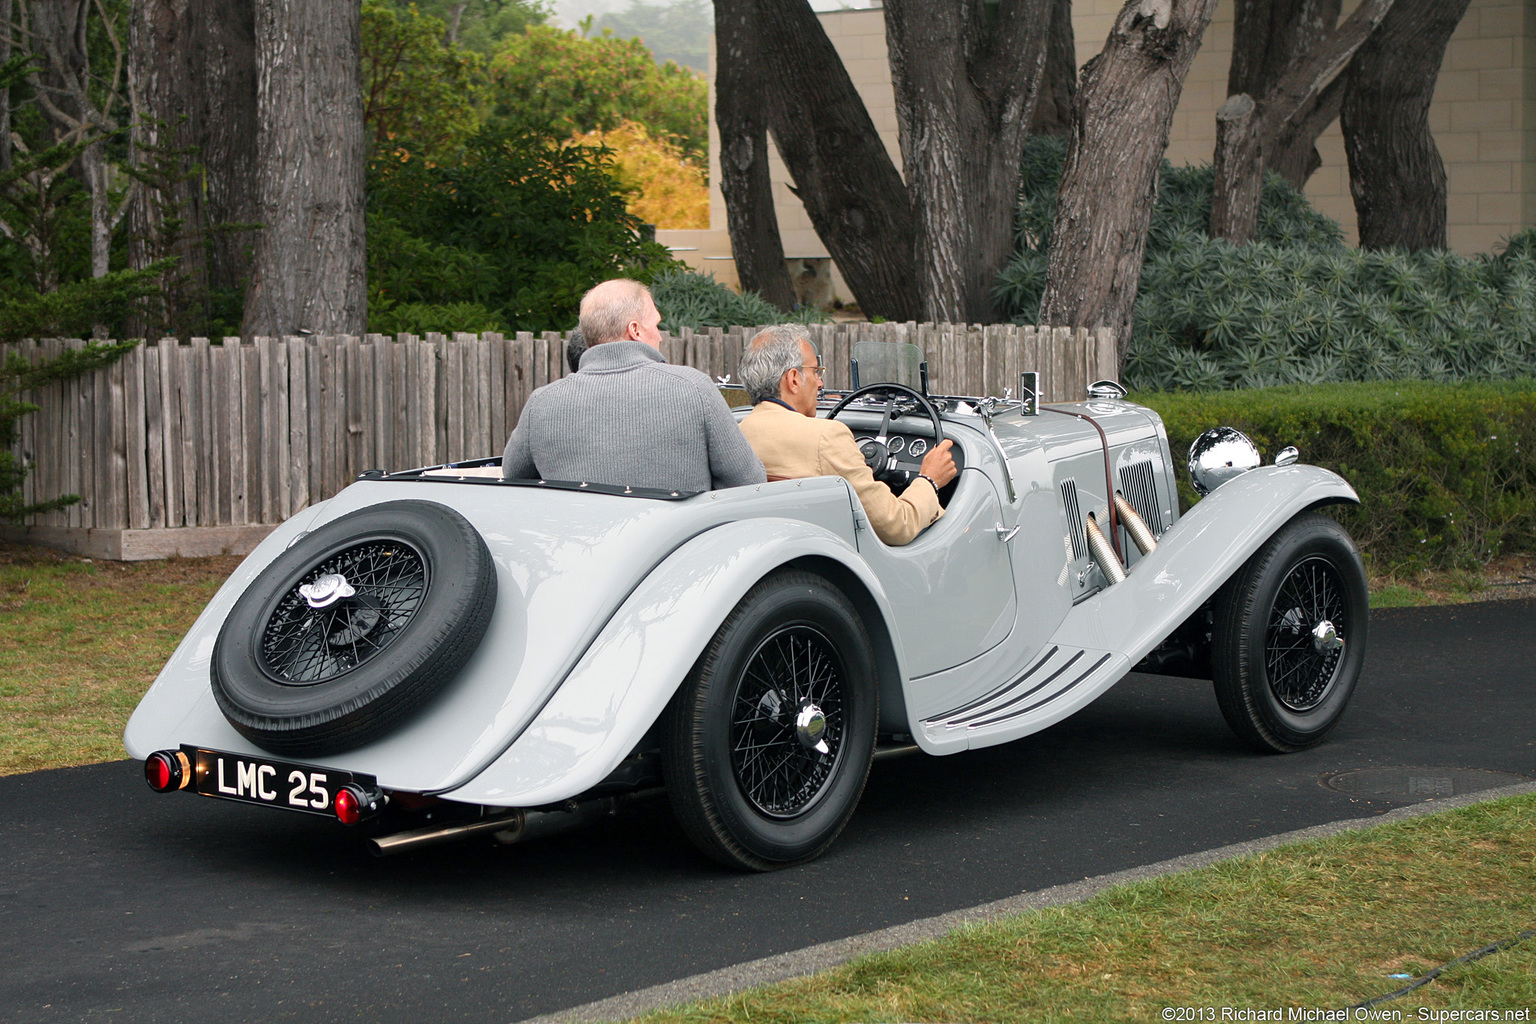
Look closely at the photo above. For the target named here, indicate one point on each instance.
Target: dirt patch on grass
(170, 571)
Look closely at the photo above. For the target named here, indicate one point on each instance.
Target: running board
(1061, 680)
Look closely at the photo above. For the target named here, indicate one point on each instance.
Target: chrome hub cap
(1325, 638)
(811, 728)
(326, 590)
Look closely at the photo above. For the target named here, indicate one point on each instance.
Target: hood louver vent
(1137, 484)
(1074, 520)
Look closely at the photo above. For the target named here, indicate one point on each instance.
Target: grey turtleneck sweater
(627, 416)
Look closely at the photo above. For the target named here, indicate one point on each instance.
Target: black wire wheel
(769, 740)
(353, 628)
(343, 612)
(1288, 636)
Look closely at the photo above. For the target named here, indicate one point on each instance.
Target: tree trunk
(1269, 38)
(1237, 171)
(455, 18)
(61, 31)
(1125, 103)
(964, 81)
(1296, 98)
(194, 70)
(1058, 86)
(1395, 172)
(6, 29)
(229, 125)
(166, 218)
(749, 213)
(851, 190)
(57, 34)
(309, 273)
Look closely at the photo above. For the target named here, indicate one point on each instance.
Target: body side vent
(1074, 519)
(1138, 485)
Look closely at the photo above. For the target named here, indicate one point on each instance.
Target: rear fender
(624, 680)
(1196, 556)
(164, 706)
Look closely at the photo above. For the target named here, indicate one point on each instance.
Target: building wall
(1483, 117)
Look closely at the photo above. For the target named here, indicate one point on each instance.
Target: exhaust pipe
(383, 846)
(510, 826)
(1135, 525)
(1099, 545)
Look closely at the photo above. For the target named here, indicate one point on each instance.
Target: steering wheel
(876, 452)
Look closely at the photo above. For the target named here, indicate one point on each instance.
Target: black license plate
(271, 783)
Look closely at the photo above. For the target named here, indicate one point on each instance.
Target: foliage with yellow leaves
(670, 190)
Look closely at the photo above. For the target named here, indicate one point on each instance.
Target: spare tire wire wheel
(344, 612)
(353, 628)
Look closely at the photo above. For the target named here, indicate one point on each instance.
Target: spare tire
(353, 628)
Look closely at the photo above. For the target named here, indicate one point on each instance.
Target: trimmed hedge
(1445, 472)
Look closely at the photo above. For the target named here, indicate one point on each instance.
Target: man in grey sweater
(627, 416)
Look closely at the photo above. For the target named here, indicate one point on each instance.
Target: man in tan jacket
(782, 375)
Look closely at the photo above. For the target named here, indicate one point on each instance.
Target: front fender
(624, 680)
(1196, 556)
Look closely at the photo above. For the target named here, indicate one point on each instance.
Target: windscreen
(883, 362)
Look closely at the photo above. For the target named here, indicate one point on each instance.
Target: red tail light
(166, 770)
(353, 804)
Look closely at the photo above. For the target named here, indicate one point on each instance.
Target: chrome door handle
(1004, 534)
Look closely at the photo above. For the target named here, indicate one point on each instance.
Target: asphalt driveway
(119, 904)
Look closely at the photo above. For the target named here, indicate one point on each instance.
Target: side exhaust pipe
(1108, 561)
(1135, 525)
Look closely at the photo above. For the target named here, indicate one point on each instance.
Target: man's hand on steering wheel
(875, 450)
(939, 465)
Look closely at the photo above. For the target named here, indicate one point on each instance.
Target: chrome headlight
(1218, 455)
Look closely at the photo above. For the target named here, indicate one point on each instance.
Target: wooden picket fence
(248, 431)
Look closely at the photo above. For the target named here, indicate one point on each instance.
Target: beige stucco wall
(1483, 117)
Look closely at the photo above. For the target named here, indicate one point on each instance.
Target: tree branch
(1302, 86)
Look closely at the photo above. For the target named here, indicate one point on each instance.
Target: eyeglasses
(817, 370)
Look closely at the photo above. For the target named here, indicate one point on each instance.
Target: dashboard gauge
(895, 443)
(917, 448)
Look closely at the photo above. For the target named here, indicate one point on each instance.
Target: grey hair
(575, 345)
(771, 354)
(608, 308)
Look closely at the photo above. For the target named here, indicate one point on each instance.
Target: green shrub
(1295, 306)
(19, 374)
(418, 318)
(521, 224)
(1446, 473)
(688, 299)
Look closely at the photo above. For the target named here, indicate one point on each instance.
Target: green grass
(1317, 924)
(80, 642)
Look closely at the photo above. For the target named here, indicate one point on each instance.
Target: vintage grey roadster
(441, 653)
